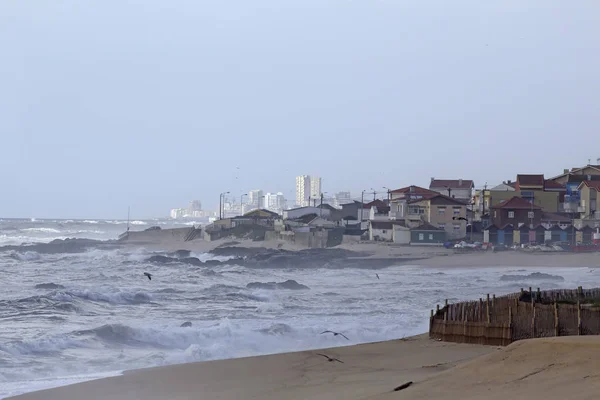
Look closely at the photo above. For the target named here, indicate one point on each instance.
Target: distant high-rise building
(341, 198)
(275, 202)
(195, 205)
(307, 188)
(255, 199)
(302, 190)
(315, 187)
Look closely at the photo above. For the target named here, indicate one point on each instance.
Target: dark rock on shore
(534, 275)
(63, 246)
(186, 324)
(290, 284)
(180, 254)
(49, 286)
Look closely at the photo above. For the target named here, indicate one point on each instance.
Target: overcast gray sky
(105, 104)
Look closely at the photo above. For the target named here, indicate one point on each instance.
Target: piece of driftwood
(407, 384)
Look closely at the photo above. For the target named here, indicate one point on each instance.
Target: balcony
(569, 207)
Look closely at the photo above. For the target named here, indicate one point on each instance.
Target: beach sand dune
(553, 368)
(368, 371)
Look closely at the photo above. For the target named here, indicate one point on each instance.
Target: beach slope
(553, 368)
(367, 371)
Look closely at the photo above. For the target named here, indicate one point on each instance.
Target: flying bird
(149, 275)
(330, 359)
(335, 334)
(377, 275)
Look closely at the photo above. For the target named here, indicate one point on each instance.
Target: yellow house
(589, 203)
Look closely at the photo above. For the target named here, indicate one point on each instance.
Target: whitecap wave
(43, 230)
(138, 223)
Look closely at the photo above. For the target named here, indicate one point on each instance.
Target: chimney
(432, 178)
(565, 171)
(411, 189)
(509, 181)
(460, 182)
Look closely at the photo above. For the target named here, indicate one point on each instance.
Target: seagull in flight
(330, 359)
(149, 275)
(335, 334)
(377, 275)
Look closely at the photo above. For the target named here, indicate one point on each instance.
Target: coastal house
(579, 173)
(389, 231)
(532, 187)
(411, 192)
(443, 212)
(376, 210)
(295, 213)
(427, 235)
(461, 189)
(516, 211)
(589, 203)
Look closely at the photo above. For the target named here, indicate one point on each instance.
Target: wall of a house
(381, 234)
(547, 200)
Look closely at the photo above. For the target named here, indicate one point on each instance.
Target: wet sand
(553, 368)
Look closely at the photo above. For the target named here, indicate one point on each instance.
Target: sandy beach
(554, 368)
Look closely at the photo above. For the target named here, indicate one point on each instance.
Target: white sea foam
(138, 223)
(42, 230)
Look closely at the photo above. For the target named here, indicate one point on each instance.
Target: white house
(301, 211)
(461, 189)
(389, 231)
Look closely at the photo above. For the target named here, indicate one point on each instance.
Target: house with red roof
(516, 211)
(534, 188)
(443, 212)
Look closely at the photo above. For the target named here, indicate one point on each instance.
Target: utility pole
(321, 210)
(362, 206)
(374, 193)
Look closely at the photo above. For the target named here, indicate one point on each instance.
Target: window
(495, 215)
(416, 210)
(511, 214)
(441, 210)
(442, 226)
(456, 210)
(421, 236)
(530, 214)
(456, 227)
(384, 231)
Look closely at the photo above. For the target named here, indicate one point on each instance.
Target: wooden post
(578, 317)
(487, 302)
(437, 308)
(556, 328)
(533, 319)
(493, 300)
(480, 309)
(539, 295)
(431, 313)
(509, 324)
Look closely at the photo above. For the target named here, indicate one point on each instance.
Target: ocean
(66, 317)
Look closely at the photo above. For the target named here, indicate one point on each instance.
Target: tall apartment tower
(307, 188)
(315, 187)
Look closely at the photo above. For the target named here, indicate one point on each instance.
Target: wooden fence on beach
(500, 321)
